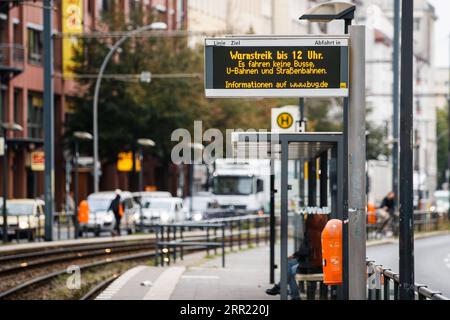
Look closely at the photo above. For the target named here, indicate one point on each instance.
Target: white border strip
(270, 93)
(118, 284)
(286, 42)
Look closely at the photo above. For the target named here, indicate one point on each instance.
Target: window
(105, 5)
(416, 24)
(3, 104)
(17, 106)
(35, 46)
(35, 115)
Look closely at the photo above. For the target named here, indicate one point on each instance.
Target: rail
(171, 241)
(383, 284)
(423, 221)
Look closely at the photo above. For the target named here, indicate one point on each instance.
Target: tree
(442, 141)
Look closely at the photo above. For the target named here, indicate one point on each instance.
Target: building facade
(21, 88)
(377, 15)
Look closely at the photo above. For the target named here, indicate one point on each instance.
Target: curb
(373, 243)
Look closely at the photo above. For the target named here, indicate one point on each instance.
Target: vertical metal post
(406, 244)
(323, 180)
(357, 166)
(302, 122)
(345, 262)
(312, 183)
(191, 182)
(75, 180)
(141, 188)
(5, 186)
(396, 99)
(141, 173)
(48, 120)
(223, 246)
(284, 220)
(272, 222)
(448, 126)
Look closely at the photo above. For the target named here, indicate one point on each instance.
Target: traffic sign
(308, 66)
(285, 119)
(125, 162)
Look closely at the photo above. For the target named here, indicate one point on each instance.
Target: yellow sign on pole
(125, 162)
(72, 22)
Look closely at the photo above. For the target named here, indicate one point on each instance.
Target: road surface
(431, 260)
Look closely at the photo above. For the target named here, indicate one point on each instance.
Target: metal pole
(345, 262)
(48, 120)
(272, 222)
(141, 188)
(448, 127)
(191, 178)
(141, 174)
(75, 209)
(301, 105)
(406, 245)
(5, 186)
(396, 100)
(97, 92)
(284, 220)
(357, 166)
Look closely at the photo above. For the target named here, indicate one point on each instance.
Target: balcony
(11, 58)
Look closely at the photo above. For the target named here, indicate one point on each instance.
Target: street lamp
(143, 143)
(327, 12)
(10, 126)
(152, 26)
(330, 11)
(79, 136)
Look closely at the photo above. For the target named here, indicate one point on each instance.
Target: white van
(101, 220)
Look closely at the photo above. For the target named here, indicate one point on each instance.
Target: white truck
(242, 185)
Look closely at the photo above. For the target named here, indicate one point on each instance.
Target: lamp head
(81, 135)
(158, 26)
(333, 10)
(11, 126)
(146, 142)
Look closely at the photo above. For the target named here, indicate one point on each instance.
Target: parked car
(201, 204)
(160, 211)
(441, 202)
(25, 218)
(101, 219)
(151, 194)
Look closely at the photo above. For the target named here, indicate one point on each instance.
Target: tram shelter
(324, 153)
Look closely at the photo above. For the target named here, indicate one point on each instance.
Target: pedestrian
(293, 265)
(387, 212)
(115, 208)
(308, 258)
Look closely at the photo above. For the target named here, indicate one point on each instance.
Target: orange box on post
(332, 252)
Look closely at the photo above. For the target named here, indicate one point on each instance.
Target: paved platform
(245, 277)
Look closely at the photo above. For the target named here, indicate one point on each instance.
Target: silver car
(160, 211)
(25, 218)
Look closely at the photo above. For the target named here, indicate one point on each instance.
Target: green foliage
(442, 136)
(132, 110)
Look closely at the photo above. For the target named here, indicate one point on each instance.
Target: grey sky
(442, 32)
